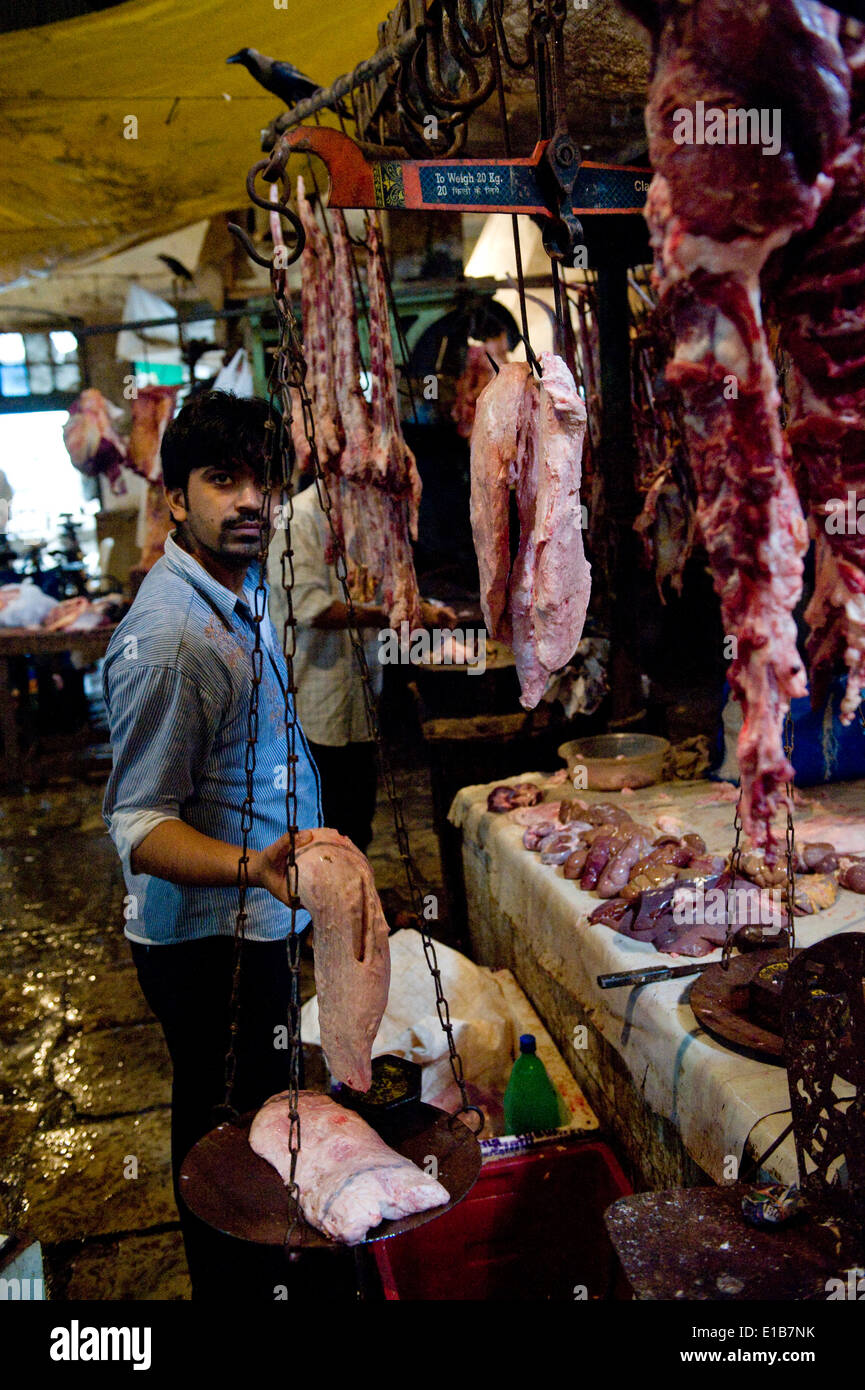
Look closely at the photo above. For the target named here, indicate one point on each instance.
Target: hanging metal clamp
(557, 174)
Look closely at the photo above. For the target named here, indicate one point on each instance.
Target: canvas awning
(82, 178)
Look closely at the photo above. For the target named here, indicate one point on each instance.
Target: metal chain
(286, 370)
(735, 857)
(790, 844)
(279, 460)
(246, 815)
(790, 851)
(294, 376)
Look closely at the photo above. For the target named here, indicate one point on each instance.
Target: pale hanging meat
(716, 212)
(493, 460)
(562, 575)
(352, 957)
(530, 435)
(348, 1179)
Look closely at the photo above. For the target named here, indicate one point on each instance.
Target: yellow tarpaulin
(115, 126)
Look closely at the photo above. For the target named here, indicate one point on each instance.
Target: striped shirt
(329, 688)
(177, 681)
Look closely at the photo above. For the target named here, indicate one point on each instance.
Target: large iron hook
(286, 257)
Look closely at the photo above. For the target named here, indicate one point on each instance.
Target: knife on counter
(651, 975)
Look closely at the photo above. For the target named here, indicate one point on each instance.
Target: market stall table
(681, 1103)
(17, 642)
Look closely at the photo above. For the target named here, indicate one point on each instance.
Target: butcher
(177, 683)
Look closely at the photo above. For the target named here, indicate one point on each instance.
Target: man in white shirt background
(329, 699)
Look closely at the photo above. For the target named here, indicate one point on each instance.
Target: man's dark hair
(217, 429)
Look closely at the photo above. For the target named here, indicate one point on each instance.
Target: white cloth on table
(713, 1095)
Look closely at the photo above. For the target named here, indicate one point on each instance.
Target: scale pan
(227, 1185)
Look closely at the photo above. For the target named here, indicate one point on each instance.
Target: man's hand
(267, 866)
(438, 615)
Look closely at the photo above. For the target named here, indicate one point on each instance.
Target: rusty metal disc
(720, 999)
(234, 1190)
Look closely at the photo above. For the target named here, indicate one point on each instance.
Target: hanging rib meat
(821, 308)
(376, 487)
(716, 212)
(355, 461)
(316, 267)
(531, 436)
(393, 463)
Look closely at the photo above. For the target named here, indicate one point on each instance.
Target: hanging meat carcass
(374, 482)
(91, 439)
(716, 211)
(530, 435)
(152, 409)
(317, 283)
(819, 300)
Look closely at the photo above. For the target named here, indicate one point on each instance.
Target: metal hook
(285, 258)
(533, 361)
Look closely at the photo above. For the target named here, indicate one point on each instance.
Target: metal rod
(495, 58)
(199, 316)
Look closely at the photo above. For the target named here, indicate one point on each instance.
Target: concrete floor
(84, 1072)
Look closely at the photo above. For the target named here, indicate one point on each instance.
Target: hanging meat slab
(530, 435)
(716, 212)
(374, 483)
(91, 439)
(352, 957)
(562, 574)
(348, 1179)
(493, 462)
(316, 267)
(152, 409)
(820, 307)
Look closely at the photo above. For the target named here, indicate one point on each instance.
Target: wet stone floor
(84, 1072)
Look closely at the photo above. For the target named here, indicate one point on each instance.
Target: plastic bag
(236, 377)
(28, 608)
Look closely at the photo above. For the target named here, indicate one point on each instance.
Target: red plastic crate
(531, 1228)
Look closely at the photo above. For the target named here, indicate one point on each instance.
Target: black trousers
(188, 987)
(349, 778)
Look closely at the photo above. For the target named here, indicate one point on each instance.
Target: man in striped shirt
(177, 681)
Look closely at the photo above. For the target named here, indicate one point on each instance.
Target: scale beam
(459, 185)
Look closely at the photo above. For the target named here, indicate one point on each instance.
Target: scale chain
(292, 376)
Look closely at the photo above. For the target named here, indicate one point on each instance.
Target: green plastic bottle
(531, 1099)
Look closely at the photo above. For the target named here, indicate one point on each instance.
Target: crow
(282, 79)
